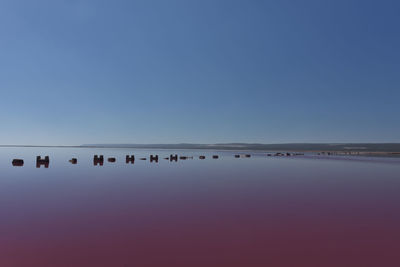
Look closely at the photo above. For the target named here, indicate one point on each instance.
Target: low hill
(361, 147)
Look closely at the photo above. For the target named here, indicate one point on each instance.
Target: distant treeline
(362, 147)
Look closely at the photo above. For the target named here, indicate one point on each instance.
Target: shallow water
(258, 211)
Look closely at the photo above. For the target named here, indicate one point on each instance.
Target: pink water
(226, 212)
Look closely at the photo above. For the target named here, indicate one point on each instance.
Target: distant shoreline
(362, 149)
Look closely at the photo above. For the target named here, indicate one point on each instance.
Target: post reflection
(130, 159)
(45, 162)
(98, 160)
(18, 162)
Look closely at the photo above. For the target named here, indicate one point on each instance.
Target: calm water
(254, 211)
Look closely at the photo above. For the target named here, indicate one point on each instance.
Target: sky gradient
(209, 71)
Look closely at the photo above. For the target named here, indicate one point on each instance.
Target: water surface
(258, 211)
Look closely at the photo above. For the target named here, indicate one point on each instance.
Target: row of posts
(99, 159)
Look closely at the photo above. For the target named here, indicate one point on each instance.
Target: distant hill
(362, 147)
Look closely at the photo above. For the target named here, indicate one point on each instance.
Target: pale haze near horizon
(75, 72)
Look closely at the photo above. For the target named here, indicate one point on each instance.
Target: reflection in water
(18, 162)
(112, 160)
(45, 162)
(98, 160)
(154, 158)
(130, 159)
(173, 158)
(267, 211)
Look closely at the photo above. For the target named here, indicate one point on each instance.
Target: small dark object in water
(288, 154)
(237, 156)
(130, 159)
(143, 159)
(73, 161)
(269, 155)
(247, 156)
(185, 157)
(98, 160)
(202, 157)
(40, 161)
(173, 158)
(153, 158)
(111, 160)
(215, 156)
(18, 162)
(166, 158)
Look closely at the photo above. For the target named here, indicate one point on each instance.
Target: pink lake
(258, 211)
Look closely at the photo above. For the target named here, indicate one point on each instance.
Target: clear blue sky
(203, 71)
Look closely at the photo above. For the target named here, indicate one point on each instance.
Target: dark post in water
(153, 158)
(98, 160)
(18, 162)
(130, 159)
(40, 161)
